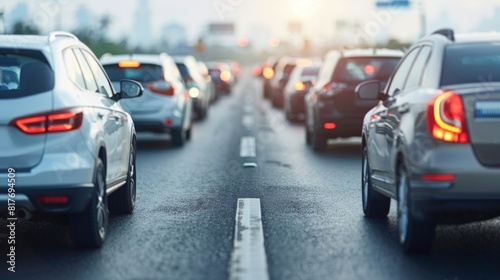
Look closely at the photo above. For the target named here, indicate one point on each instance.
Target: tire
(88, 229)
(416, 234)
(189, 133)
(308, 135)
(375, 205)
(123, 200)
(178, 137)
(318, 141)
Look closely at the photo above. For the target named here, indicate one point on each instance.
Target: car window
(354, 70)
(399, 79)
(310, 71)
(145, 73)
(417, 71)
(90, 83)
(471, 63)
(100, 77)
(73, 68)
(24, 73)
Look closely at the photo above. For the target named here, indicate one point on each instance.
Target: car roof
(372, 53)
(183, 59)
(477, 37)
(32, 42)
(143, 58)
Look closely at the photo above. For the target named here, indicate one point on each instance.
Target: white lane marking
(248, 260)
(248, 121)
(247, 147)
(250, 165)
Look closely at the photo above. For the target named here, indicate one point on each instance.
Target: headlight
(194, 92)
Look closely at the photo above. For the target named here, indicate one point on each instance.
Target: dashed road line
(248, 259)
(248, 147)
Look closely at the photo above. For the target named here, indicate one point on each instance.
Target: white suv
(65, 135)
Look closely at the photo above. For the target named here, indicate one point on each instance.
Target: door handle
(405, 108)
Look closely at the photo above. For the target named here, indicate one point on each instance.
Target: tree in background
(23, 28)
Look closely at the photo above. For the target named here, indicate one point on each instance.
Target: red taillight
(446, 118)
(299, 86)
(53, 199)
(439, 177)
(330, 126)
(161, 87)
(169, 122)
(58, 121)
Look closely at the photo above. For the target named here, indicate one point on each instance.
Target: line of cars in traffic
(68, 125)
(429, 120)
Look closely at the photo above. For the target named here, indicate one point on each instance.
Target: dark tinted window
(24, 73)
(184, 70)
(417, 70)
(145, 73)
(288, 69)
(471, 63)
(310, 71)
(399, 79)
(359, 69)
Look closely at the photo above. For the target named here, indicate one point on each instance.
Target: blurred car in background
(165, 106)
(222, 77)
(268, 73)
(205, 73)
(282, 75)
(438, 125)
(64, 101)
(235, 69)
(301, 80)
(333, 110)
(198, 87)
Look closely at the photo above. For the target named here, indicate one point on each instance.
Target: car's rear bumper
(28, 198)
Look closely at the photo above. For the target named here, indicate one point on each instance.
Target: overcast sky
(267, 18)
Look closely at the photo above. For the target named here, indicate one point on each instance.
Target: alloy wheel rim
(403, 211)
(365, 181)
(102, 210)
(132, 177)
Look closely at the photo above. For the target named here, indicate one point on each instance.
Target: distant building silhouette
(175, 37)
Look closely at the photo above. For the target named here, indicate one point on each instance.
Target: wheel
(416, 234)
(375, 205)
(123, 200)
(318, 141)
(308, 135)
(188, 133)
(178, 137)
(202, 114)
(88, 229)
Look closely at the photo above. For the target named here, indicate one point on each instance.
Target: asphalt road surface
(311, 224)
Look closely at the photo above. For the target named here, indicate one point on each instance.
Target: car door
(398, 109)
(382, 123)
(121, 148)
(104, 109)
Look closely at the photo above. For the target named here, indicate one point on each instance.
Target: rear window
(471, 63)
(145, 73)
(24, 73)
(359, 69)
(310, 71)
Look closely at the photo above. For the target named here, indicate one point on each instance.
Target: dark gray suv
(432, 143)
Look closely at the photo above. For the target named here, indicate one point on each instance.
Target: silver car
(166, 106)
(433, 141)
(67, 147)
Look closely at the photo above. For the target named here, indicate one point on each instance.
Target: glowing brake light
(129, 64)
(58, 121)
(446, 118)
(225, 76)
(299, 86)
(439, 177)
(161, 87)
(330, 126)
(53, 199)
(268, 73)
(370, 69)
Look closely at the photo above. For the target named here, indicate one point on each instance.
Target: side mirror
(130, 89)
(369, 90)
